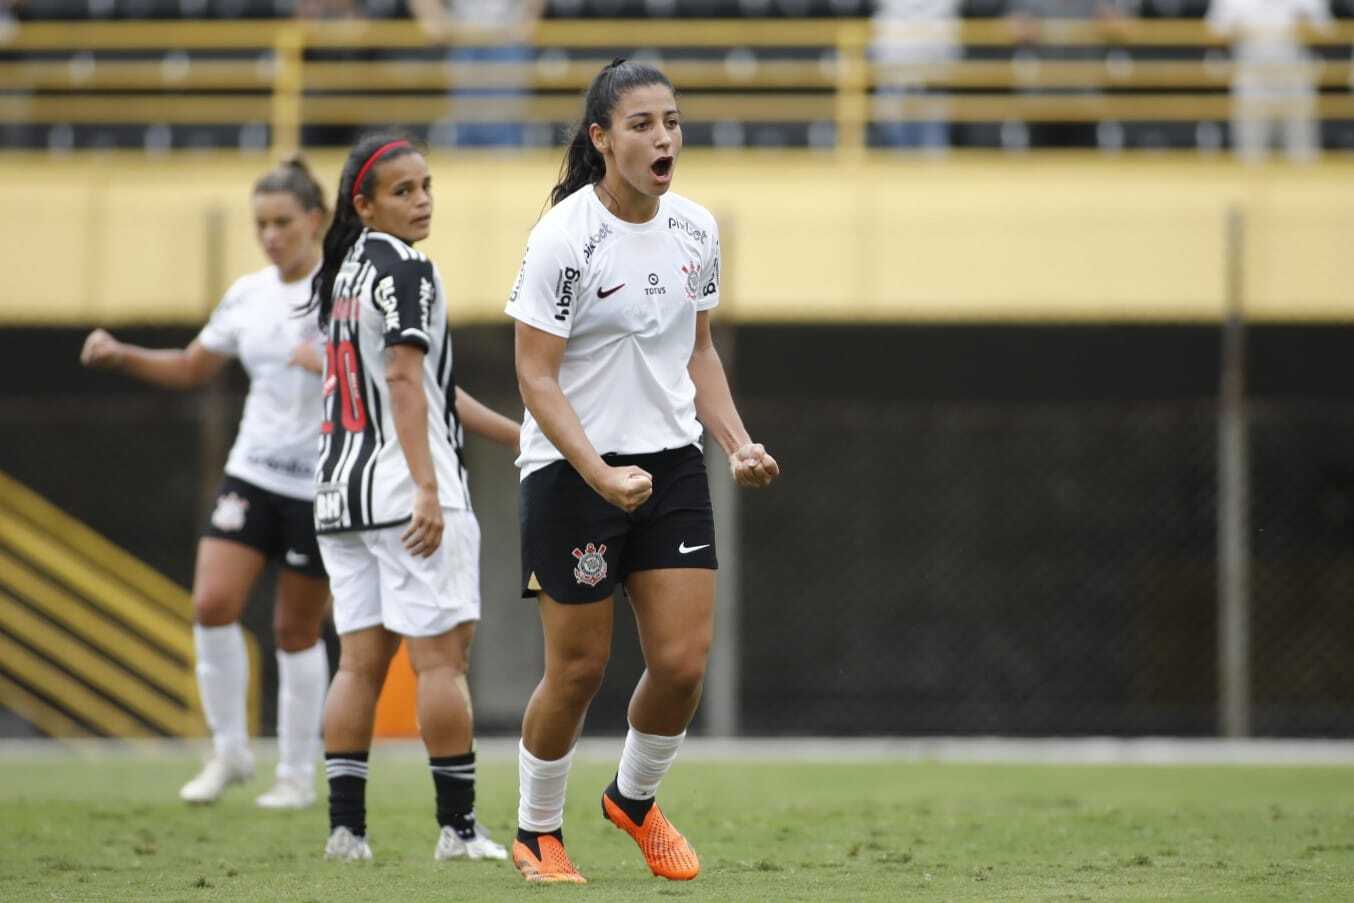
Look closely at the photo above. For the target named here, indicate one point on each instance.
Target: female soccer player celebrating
(263, 509)
(618, 371)
(391, 505)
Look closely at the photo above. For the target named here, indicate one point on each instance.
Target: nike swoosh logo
(296, 559)
(687, 550)
(608, 292)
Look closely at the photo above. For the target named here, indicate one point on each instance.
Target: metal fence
(818, 82)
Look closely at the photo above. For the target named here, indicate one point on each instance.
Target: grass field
(112, 829)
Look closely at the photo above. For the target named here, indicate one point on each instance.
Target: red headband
(376, 155)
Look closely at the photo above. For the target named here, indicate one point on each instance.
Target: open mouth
(662, 167)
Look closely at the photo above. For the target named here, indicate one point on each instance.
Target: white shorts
(376, 581)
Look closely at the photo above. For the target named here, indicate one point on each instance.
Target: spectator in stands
(1273, 76)
(913, 41)
(1028, 24)
(507, 25)
(327, 9)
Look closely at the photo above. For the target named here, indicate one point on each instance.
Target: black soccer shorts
(280, 527)
(576, 546)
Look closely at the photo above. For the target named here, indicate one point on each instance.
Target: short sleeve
(404, 294)
(222, 332)
(709, 281)
(545, 294)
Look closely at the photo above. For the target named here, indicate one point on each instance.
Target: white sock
(644, 761)
(541, 785)
(302, 678)
(222, 679)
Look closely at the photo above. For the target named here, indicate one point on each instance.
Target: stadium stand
(162, 74)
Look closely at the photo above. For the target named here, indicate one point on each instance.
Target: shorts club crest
(591, 568)
(229, 516)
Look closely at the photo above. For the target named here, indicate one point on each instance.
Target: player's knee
(449, 651)
(679, 667)
(580, 678)
(294, 635)
(215, 609)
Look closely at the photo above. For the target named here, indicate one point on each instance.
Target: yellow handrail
(829, 76)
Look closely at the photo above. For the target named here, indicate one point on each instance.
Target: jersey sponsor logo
(345, 310)
(521, 277)
(425, 301)
(595, 240)
(292, 467)
(230, 512)
(384, 296)
(608, 292)
(565, 287)
(682, 225)
(654, 288)
(713, 285)
(591, 568)
(328, 506)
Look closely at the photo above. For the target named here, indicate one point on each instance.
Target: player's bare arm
(539, 355)
(483, 420)
(170, 368)
(409, 408)
(750, 464)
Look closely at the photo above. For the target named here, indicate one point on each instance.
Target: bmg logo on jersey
(328, 506)
(384, 296)
(566, 287)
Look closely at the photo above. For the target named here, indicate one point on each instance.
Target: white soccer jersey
(625, 296)
(385, 294)
(257, 322)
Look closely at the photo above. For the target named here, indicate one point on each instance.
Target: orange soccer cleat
(665, 850)
(547, 864)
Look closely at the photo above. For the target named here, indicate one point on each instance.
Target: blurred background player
(615, 364)
(503, 60)
(263, 508)
(392, 504)
(1273, 76)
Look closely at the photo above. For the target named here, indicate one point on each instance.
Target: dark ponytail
(583, 163)
(347, 225)
(294, 177)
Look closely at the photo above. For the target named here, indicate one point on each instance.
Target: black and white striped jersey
(385, 294)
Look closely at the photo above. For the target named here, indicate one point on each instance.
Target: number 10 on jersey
(342, 372)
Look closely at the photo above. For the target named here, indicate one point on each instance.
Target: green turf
(113, 830)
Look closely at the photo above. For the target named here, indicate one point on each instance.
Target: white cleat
(288, 793)
(345, 846)
(219, 772)
(481, 846)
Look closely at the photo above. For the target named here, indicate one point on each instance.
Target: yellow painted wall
(121, 237)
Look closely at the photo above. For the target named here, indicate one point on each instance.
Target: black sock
(454, 780)
(347, 773)
(635, 810)
(531, 839)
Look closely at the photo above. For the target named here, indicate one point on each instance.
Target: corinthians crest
(693, 279)
(230, 513)
(591, 569)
